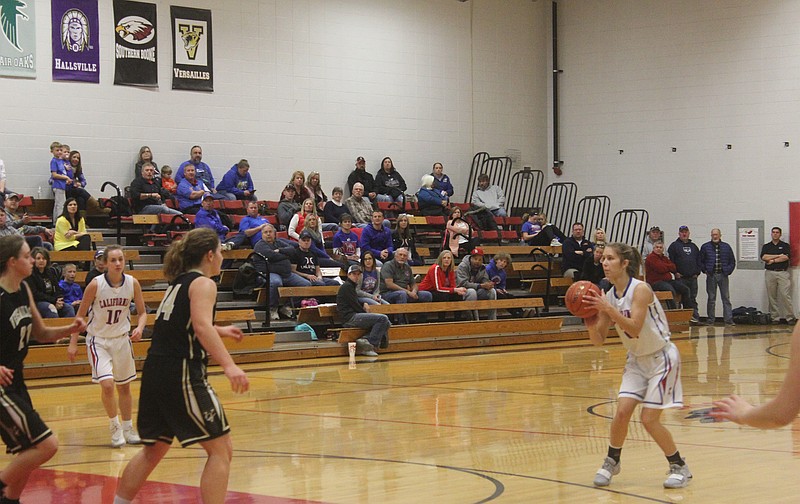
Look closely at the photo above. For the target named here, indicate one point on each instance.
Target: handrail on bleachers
(593, 212)
(630, 226)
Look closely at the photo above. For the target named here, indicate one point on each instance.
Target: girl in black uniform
(21, 428)
(176, 400)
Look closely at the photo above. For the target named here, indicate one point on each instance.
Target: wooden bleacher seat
(223, 317)
(61, 256)
(519, 249)
(144, 276)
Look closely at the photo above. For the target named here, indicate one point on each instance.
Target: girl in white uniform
(652, 371)
(108, 299)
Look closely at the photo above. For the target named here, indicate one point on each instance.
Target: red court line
(47, 485)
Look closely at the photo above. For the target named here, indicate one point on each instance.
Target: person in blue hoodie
(686, 256)
(441, 181)
(237, 183)
(430, 200)
(207, 217)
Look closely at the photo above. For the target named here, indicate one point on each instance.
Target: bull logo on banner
(190, 34)
(75, 31)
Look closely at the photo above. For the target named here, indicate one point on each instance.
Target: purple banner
(76, 45)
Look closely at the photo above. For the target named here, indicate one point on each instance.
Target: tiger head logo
(190, 34)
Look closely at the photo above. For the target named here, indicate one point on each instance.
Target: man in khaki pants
(775, 255)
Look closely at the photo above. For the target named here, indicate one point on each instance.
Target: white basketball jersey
(110, 315)
(655, 331)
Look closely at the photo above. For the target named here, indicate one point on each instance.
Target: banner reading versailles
(135, 44)
(76, 45)
(18, 40)
(192, 61)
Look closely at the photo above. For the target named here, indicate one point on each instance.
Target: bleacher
(534, 277)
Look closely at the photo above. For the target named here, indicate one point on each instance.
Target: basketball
(574, 298)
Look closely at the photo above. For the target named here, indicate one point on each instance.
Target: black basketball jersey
(16, 324)
(173, 334)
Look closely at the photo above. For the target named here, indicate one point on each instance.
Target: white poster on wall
(749, 246)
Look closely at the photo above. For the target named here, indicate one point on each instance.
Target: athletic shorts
(654, 379)
(20, 424)
(111, 358)
(176, 401)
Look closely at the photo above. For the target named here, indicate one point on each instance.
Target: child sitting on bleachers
(167, 182)
(73, 294)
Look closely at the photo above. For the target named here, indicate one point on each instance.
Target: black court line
(771, 350)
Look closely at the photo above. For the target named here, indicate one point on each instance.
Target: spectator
(318, 242)
(237, 183)
(77, 189)
(389, 184)
(71, 229)
(362, 176)
(686, 257)
(252, 224)
(44, 286)
(3, 190)
(306, 264)
(359, 207)
(490, 197)
(378, 239)
(369, 284)
(550, 235)
(652, 237)
(472, 275)
(315, 189)
(202, 172)
(287, 206)
(441, 182)
(497, 274)
(717, 261)
(440, 281)
(530, 228)
(575, 250)
(402, 237)
(430, 200)
(599, 235)
(59, 178)
(167, 182)
(298, 222)
(659, 271)
(458, 234)
(593, 268)
(6, 229)
(191, 191)
(21, 222)
(98, 268)
(345, 243)
(334, 209)
(145, 156)
(147, 195)
(776, 254)
(281, 271)
(398, 285)
(73, 294)
(207, 217)
(354, 314)
(301, 192)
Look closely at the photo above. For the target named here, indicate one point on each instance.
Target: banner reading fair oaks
(18, 40)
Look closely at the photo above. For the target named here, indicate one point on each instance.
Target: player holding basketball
(652, 371)
(107, 301)
(176, 399)
(22, 430)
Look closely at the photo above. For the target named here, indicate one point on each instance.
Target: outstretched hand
(732, 408)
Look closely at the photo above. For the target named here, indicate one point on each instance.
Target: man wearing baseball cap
(355, 314)
(686, 257)
(652, 236)
(306, 264)
(360, 174)
(472, 275)
(21, 221)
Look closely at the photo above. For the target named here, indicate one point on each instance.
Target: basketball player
(652, 371)
(176, 399)
(780, 411)
(22, 430)
(107, 300)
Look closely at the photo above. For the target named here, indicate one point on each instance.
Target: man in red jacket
(659, 271)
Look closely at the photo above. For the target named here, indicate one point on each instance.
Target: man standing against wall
(718, 262)
(686, 257)
(775, 255)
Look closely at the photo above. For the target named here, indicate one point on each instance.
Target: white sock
(127, 424)
(114, 421)
(120, 500)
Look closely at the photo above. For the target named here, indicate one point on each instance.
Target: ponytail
(188, 252)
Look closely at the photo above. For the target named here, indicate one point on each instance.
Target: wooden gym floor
(494, 424)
